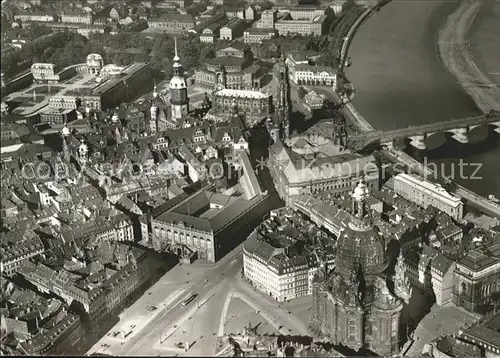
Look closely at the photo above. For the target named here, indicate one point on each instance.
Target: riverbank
(400, 80)
(454, 52)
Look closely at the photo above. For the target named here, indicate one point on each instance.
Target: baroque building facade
(250, 103)
(352, 304)
(233, 67)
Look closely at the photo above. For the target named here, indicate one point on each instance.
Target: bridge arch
(458, 129)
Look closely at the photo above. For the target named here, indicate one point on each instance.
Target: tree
(37, 30)
(207, 52)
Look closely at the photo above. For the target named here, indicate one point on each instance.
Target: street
(225, 303)
(354, 120)
(208, 282)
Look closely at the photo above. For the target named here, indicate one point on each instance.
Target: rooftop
(242, 94)
(484, 256)
(190, 211)
(429, 188)
(486, 331)
(171, 17)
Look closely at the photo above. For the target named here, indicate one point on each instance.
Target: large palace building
(251, 103)
(232, 68)
(114, 90)
(296, 174)
(352, 304)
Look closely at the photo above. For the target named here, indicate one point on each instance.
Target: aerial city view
(250, 178)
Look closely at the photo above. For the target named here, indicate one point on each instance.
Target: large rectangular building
(301, 27)
(295, 175)
(203, 224)
(255, 35)
(425, 194)
(116, 90)
(253, 103)
(171, 23)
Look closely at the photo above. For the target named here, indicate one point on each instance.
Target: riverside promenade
(348, 110)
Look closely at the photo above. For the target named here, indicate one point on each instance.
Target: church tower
(83, 152)
(178, 90)
(283, 99)
(155, 91)
(65, 133)
(339, 131)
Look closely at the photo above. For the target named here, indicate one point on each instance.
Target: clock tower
(178, 90)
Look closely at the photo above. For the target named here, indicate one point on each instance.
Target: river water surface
(401, 81)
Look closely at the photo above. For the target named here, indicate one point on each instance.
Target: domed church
(352, 304)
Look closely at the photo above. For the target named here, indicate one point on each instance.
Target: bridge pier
(460, 135)
(417, 134)
(497, 129)
(418, 142)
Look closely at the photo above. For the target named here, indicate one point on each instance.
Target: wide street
(172, 326)
(147, 328)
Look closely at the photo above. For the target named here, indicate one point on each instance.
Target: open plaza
(29, 101)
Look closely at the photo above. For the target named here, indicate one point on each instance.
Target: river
(401, 81)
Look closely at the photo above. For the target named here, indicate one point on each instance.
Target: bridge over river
(417, 134)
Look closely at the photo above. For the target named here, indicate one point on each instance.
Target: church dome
(363, 249)
(361, 191)
(94, 60)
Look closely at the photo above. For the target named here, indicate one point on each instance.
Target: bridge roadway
(472, 199)
(361, 140)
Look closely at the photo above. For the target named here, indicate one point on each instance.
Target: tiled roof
(41, 341)
(187, 220)
(226, 61)
(170, 17)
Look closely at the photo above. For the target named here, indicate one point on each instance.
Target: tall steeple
(155, 90)
(178, 90)
(177, 63)
(65, 133)
(283, 99)
(402, 286)
(83, 152)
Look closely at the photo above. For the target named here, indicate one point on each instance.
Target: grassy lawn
(74, 91)
(28, 101)
(44, 90)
